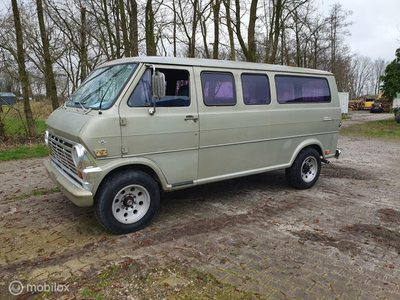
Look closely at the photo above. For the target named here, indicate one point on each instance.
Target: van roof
(213, 63)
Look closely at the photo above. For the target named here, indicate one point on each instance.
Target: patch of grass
(149, 283)
(40, 110)
(17, 127)
(36, 193)
(20, 152)
(45, 192)
(383, 128)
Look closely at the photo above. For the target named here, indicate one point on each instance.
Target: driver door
(170, 137)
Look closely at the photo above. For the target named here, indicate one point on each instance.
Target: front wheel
(127, 201)
(305, 170)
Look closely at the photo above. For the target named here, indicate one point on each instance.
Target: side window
(255, 89)
(218, 89)
(176, 90)
(297, 89)
(141, 96)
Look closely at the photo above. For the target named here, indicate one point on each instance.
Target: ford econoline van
(140, 125)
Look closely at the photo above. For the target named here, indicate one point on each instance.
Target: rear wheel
(127, 201)
(305, 170)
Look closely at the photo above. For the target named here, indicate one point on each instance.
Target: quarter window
(297, 89)
(255, 89)
(218, 89)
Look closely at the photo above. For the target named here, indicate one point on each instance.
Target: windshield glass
(102, 87)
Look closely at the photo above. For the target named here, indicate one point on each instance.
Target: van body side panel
(240, 138)
(165, 138)
(103, 132)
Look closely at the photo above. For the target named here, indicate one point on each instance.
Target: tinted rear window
(297, 89)
(255, 89)
(218, 89)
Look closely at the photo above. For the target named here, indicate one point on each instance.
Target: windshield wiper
(79, 102)
(83, 101)
(105, 93)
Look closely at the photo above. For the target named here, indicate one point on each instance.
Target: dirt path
(359, 117)
(21, 177)
(252, 236)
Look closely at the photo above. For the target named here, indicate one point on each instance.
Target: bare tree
(83, 47)
(192, 38)
(216, 5)
(124, 28)
(133, 24)
(318, 29)
(51, 88)
(378, 70)
(338, 29)
(227, 4)
(204, 14)
(360, 76)
(22, 69)
(150, 39)
(249, 50)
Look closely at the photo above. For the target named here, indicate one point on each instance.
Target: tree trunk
(239, 32)
(192, 40)
(204, 34)
(251, 42)
(227, 4)
(125, 36)
(2, 130)
(278, 10)
(150, 41)
(22, 69)
(216, 9)
(117, 31)
(83, 47)
(174, 30)
(108, 27)
(134, 28)
(48, 71)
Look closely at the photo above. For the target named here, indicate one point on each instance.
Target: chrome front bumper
(73, 192)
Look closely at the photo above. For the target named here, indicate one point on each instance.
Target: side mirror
(158, 85)
(157, 88)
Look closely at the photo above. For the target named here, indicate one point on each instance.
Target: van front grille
(61, 156)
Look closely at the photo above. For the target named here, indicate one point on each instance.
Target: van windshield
(102, 87)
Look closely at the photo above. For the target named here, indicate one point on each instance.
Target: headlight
(79, 155)
(46, 138)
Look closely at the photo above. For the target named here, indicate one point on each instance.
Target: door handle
(191, 118)
(327, 119)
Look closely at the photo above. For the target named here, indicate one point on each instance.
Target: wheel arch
(142, 165)
(307, 144)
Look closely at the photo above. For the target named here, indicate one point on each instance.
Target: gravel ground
(248, 237)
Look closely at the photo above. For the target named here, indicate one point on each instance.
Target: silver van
(140, 125)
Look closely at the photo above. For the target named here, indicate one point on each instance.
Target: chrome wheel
(309, 169)
(131, 204)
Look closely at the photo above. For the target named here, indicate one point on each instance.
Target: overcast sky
(376, 29)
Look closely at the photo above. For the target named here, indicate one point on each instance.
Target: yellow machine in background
(368, 103)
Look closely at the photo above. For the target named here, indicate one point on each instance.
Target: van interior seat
(183, 90)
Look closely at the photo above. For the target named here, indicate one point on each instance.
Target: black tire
(127, 201)
(305, 170)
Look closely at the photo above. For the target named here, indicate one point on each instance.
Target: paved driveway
(254, 236)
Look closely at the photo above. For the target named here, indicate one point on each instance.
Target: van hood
(67, 122)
